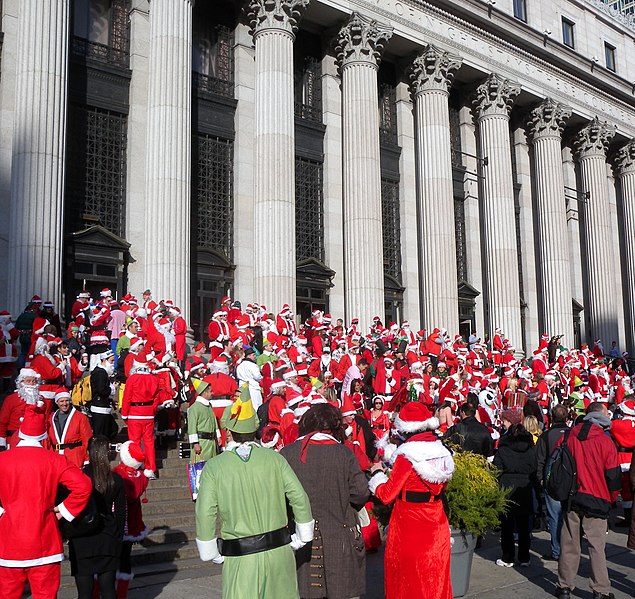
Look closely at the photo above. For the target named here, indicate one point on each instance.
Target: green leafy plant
(475, 499)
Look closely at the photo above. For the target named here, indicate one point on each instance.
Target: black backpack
(561, 481)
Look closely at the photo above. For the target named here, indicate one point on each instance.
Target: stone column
(545, 127)
(359, 46)
(168, 157)
(39, 148)
(591, 145)
(493, 103)
(625, 167)
(431, 74)
(273, 24)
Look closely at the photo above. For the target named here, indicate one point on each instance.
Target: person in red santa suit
(80, 304)
(50, 367)
(27, 389)
(417, 556)
(623, 434)
(361, 432)
(179, 329)
(138, 408)
(69, 430)
(387, 379)
(218, 333)
(30, 541)
(135, 485)
(148, 303)
(379, 418)
(224, 388)
(8, 350)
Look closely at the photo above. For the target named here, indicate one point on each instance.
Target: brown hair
(98, 456)
(322, 418)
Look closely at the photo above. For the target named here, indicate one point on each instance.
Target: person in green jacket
(202, 427)
(247, 488)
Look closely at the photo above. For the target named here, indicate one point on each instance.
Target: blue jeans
(554, 521)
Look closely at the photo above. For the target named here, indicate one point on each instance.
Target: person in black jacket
(102, 419)
(516, 460)
(469, 434)
(544, 448)
(98, 554)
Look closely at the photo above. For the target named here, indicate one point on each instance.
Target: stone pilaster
(431, 76)
(39, 144)
(273, 24)
(492, 103)
(592, 144)
(625, 168)
(168, 158)
(359, 46)
(545, 127)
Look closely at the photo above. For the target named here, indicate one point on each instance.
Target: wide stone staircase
(170, 547)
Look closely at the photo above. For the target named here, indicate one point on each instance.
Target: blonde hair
(531, 425)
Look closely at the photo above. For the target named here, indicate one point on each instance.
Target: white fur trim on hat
(418, 426)
(126, 458)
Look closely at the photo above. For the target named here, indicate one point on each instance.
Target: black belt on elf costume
(208, 436)
(141, 403)
(67, 445)
(254, 544)
(420, 497)
(619, 449)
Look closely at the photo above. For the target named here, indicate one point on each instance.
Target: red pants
(44, 581)
(142, 432)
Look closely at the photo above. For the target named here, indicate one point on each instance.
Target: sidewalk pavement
(488, 581)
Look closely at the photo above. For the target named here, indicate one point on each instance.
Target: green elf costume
(247, 487)
(202, 427)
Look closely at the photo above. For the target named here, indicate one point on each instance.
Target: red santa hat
(84, 295)
(628, 407)
(277, 385)
(415, 417)
(301, 339)
(36, 299)
(136, 343)
(61, 393)
(286, 309)
(326, 318)
(199, 346)
(105, 292)
(219, 313)
(226, 300)
(348, 409)
(131, 455)
(33, 426)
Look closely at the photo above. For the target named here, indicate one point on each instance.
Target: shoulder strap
(584, 431)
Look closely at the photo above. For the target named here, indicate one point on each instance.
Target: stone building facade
(464, 163)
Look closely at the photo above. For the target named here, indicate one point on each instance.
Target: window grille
(308, 89)
(388, 114)
(214, 194)
(455, 137)
(391, 227)
(96, 169)
(309, 209)
(213, 60)
(101, 32)
(461, 240)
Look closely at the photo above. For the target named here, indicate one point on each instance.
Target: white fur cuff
(207, 550)
(305, 530)
(379, 478)
(65, 513)
(193, 438)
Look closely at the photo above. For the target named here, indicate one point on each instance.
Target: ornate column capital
(594, 139)
(361, 40)
(548, 119)
(495, 96)
(275, 14)
(625, 158)
(433, 69)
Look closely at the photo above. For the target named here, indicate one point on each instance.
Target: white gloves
(296, 543)
(208, 551)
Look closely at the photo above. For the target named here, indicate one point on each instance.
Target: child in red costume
(135, 484)
(417, 558)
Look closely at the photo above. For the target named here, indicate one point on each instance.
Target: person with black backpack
(598, 482)
(544, 448)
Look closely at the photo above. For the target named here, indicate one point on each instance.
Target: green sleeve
(295, 493)
(191, 420)
(206, 506)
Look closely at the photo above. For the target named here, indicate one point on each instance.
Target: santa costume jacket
(76, 430)
(417, 557)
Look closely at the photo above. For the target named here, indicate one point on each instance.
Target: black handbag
(87, 523)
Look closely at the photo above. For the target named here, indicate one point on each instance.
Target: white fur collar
(431, 460)
(202, 400)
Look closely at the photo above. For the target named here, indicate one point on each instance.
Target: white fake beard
(30, 394)
(109, 367)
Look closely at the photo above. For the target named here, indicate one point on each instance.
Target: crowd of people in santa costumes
(139, 366)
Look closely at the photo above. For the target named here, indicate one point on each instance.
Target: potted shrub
(475, 502)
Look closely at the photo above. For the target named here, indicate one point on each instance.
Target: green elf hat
(199, 385)
(240, 417)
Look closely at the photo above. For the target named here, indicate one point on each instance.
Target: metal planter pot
(461, 561)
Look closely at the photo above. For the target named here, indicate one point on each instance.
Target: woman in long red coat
(417, 557)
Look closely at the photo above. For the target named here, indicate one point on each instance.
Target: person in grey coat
(334, 564)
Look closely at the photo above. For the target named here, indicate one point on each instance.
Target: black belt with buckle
(66, 445)
(141, 403)
(619, 449)
(420, 497)
(208, 436)
(254, 544)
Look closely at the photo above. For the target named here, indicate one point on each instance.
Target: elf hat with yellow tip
(240, 417)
